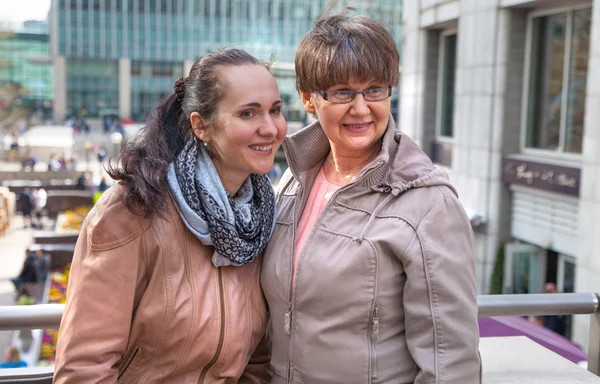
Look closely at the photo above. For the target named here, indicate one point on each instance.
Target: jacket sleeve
(256, 370)
(440, 297)
(95, 327)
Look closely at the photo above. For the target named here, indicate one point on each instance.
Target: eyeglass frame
(324, 95)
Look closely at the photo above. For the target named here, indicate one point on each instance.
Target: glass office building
(124, 55)
(26, 64)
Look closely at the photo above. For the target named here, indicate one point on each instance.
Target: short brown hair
(340, 48)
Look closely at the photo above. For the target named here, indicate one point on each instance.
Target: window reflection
(547, 66)
(556, 108)
(578, 68)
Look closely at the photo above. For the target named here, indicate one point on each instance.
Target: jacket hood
(400, 165)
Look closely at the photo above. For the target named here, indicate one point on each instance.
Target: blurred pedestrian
(34, 272)
(103, 186)
(554, 323)
(12, 358)
(14, 146)
(26, 206)
(54, 164)
(84, 181)
(101, 154)
(40, 196)
(107, 123)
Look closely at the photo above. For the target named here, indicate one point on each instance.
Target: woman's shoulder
(111, 224)
(415, 204)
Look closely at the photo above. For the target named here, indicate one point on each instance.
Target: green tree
(498, 272)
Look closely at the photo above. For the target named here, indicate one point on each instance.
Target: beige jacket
(385, 289)
(146, 305)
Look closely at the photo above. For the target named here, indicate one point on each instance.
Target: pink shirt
(321, 192)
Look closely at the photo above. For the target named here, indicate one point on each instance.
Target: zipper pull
(287, 322)
(375, 333)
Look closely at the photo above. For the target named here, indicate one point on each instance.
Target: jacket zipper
(374, 337)
(127, 360)
(222, 334)
(288, 314)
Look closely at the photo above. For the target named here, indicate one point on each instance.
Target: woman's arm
(440, 298)
(94, 330)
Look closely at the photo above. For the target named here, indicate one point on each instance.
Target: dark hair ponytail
(145, 158)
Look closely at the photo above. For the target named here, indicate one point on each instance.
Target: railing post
(594, 344)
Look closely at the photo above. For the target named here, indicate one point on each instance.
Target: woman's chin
(262, 170)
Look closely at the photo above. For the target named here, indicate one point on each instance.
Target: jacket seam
(116, 243)
(226, 322)
(145, 253)
(220, 313)
(352, 208)
(440, 199)
(167, 307)
(184, 241)
(431, 298)
(437, 333)
(249, 329)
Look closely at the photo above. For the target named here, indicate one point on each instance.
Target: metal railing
(49, 316)
(550, 304)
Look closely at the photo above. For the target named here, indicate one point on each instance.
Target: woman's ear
(307, 102)
(199, 127)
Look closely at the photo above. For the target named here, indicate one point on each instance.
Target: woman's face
(355, 127)
(249, 127)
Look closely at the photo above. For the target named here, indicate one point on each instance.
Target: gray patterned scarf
(240, 227)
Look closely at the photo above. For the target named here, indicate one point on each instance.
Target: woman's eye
(343, 93)
(275, 111)
(247, 114)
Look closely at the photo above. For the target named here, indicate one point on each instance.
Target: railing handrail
(49, 315)
(39, 316)
(538, 304)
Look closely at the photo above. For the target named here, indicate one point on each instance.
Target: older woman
(370, 273)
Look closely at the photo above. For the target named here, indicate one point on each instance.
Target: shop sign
(548, 177)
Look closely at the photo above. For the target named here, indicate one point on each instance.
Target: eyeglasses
(346, 96)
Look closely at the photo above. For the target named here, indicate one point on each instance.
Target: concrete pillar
(412, 87)
(587, 271)
(480, 114)
(54, 33)
(124, 88)
(487, 120)
(59, 67)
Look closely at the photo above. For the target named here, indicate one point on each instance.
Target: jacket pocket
(125, 361)
(374, 336)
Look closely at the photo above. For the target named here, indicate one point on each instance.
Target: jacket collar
(308, 148)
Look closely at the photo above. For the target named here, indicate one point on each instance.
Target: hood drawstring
(394, 192)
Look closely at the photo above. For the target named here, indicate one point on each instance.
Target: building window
(446, 84)
(557, 81)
